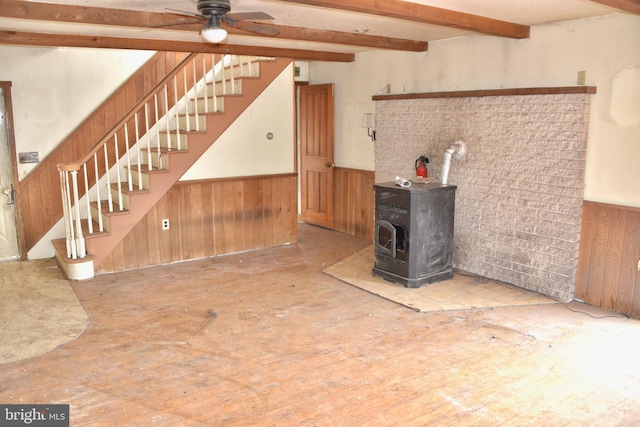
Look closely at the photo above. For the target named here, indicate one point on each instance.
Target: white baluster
(166, 118)
(222, 75)
(126, 141)
(175, 110)
(118, 178)
(66, 214)
(157, 131)
(195, 94)
(204, 74)
(79, 239)
(233, 75)
(95, 163)
(72, 233)
(146, 124)
(86, 195)
(213, 73)
(186, 100)
(106, 168)
(72, 237)
(139, 144)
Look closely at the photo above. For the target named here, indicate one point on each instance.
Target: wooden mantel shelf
(491, 92)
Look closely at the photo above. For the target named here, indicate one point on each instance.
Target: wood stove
(414, 233)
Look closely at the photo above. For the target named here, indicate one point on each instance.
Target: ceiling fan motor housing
(214, 7)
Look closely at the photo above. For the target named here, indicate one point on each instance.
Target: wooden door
(316, 155)
(8, 232)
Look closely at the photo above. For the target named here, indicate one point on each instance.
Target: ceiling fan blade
(184, 13)
(190, 21)
(249, 16)
(254, 27)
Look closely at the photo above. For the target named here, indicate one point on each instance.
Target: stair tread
(218, 95)
(183, 132)
(105, 208)
(211, 112)
(192, 116)
(60, 246)
(228, 79)
(186, 132)
(165, 150)
(125, 188)
(96, 227)
(145, 169)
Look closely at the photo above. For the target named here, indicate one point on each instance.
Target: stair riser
(145, 181)
(144, 176)
(182, 123)
(200, 103)
(245, 70)
(164, 142)
(105, 219)
(226, 88)
(125, 197)
(159, 163)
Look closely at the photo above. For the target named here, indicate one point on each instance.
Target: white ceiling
(525, 12)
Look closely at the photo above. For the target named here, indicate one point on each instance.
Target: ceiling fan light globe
(213, 35)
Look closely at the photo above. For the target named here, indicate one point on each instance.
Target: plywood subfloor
(267, 339)
(461, 292)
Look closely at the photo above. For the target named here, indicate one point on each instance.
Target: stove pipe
(457, 151)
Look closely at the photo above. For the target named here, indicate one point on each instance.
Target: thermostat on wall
(301, 71)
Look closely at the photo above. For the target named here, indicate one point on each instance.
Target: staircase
(111, 188)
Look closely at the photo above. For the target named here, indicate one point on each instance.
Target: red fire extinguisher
(421, 166)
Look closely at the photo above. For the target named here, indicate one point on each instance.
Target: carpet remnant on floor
(459, 293)
(39, 311)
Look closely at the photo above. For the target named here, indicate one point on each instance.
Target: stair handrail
(76, 165)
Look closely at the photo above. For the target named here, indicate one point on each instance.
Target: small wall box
(29, 157)
(301, 71)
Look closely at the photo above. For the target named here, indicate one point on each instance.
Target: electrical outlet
(165, 224)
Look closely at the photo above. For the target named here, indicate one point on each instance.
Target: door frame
(11, 140)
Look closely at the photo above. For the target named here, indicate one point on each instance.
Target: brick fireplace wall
(520, 187)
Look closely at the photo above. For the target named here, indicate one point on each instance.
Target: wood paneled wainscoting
(209, 218)
(354, 202)
(608, 273)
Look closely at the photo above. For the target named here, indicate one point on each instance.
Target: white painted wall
(50, 88)
(607, 48)
(244, 148)
(54, 89)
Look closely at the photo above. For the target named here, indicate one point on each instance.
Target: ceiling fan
(215, 12)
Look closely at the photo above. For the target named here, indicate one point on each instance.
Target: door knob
(330, 165)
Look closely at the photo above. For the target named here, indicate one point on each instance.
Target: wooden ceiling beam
(631, 6)
(338, 37)
(424, 14)
(137, 19)
(68, 40)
